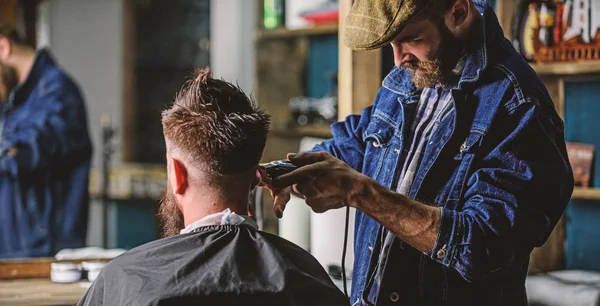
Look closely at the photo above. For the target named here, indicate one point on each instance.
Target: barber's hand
(324, 181)
(280, 195)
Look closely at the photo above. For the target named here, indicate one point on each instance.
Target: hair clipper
(279, 167)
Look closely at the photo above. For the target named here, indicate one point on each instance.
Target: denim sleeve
(513, 198)
(56, 128)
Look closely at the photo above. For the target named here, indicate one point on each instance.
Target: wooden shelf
(285, 33)
(590, 67)
(315, 131)
(586, 193)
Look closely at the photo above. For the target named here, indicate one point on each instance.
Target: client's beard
(169, 214)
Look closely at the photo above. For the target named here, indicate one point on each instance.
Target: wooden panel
(366, 78)
(551, 255)
(129, 119)
(504, 11)
(29, 268)
(345, 66)
(40, 292)
(556, 89)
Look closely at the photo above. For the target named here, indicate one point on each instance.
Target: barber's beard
(170, 215)
(437, 70)
(8, 81)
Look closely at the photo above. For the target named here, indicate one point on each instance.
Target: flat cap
(371, 24)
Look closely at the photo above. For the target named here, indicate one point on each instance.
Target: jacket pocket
(378, 137)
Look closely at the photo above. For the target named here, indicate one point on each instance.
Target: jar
(65, 272)
(93, 269)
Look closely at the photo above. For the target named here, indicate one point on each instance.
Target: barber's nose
(400, 57)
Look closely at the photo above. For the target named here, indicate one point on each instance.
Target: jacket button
(441, 253)
(394, 297)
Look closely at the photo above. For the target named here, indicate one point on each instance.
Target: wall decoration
(557, 30)
(581, 157)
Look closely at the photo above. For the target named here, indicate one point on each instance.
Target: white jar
(93, 269)
(65, 272)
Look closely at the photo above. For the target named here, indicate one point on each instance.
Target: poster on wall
(581, 157)
(557, 30)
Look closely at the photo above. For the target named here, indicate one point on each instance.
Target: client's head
(215, 136)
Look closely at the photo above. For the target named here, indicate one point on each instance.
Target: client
(214, 253)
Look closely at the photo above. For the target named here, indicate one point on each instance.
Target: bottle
(547, 18)
(558, 25)
(273, 14)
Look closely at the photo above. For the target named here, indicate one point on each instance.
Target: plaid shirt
(433, 106)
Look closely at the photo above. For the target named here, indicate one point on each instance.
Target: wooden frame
(129, 120)
(359, 73)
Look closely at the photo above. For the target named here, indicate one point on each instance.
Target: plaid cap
(371, 24)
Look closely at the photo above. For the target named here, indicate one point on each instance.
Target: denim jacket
(496, 166)
(44, 186)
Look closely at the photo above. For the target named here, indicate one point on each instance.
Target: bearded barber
(45, 153)
(457, 171)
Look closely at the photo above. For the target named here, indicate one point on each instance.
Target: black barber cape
(215, 265)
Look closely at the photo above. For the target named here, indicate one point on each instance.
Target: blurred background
(131, 56)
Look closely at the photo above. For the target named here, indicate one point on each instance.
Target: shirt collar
(42, 60)
(226, 217)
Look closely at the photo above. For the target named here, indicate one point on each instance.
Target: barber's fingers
(281, 198)
(307, 158)
(263, 179)
(300, 175)
(296, 192)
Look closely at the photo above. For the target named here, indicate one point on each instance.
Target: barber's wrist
(363, 192)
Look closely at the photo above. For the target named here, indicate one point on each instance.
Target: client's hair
(215, 127)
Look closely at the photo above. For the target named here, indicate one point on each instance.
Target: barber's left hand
(324, 181)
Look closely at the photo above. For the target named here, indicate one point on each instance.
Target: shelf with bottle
(282, 32)
(583, 193)
(559, 37)
(320, 131)
(567, 68)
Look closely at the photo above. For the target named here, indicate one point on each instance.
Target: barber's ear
(457, 17)
(181, 177)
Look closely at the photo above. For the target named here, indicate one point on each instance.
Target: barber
(457, 171)
(45, 153)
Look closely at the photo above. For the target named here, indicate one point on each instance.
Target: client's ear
(181, 177)
(257, 178)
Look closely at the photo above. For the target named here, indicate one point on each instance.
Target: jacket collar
(400, 82)
(43, 59)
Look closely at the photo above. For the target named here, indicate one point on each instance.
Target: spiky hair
(215, 125)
